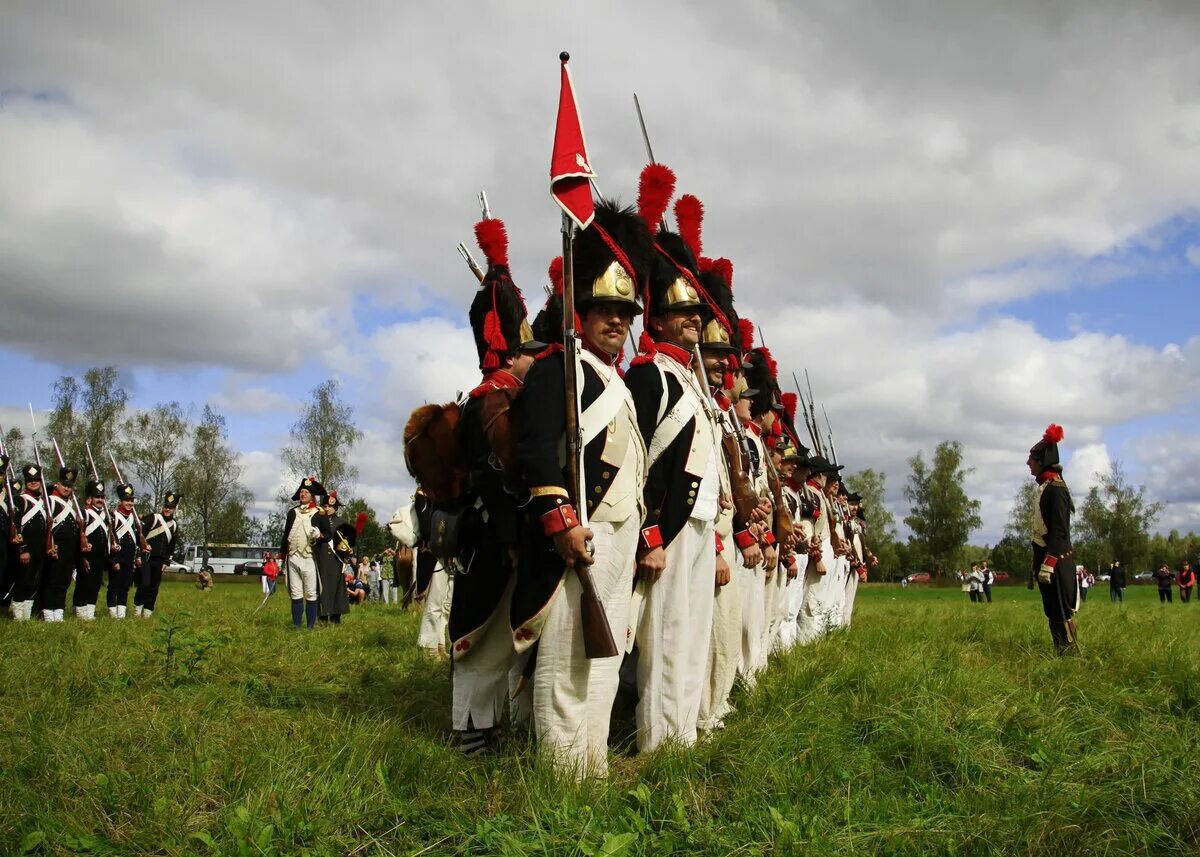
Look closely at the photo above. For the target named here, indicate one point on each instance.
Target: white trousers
(572, 695)
(754, 619)
(849, 596)
(725, 648)
(673, 638)
(479, 682)
(435, 618)
(776, 606)
(792, 603)
(838, 591)
(302, 577)
(816, 607)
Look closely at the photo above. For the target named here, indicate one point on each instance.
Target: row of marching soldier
(54, 540)
(668, 525)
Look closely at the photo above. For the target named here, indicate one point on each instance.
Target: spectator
(965, 580)
(375, 576)
(988, 579)
(356, 589)
(975, 581)
(1086, 581)
(1166, 581)
(270, 574)
(204, 580)
(1116, 582)
(1187, 580)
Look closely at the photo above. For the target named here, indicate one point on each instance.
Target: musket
(13, 533)
(814, 429)
(45, 501)
(829, 429)
(83, 542)
(804, 410)
(470, 260)
(646, 139)
(144, 547)
(598, 639)
(113, 547)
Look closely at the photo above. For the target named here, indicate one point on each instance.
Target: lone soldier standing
(127, 545)
(31, 546)
(161, 530)
(98, 557)
(299, 535)
(1052, 551)
(7, 530)
(66, 555)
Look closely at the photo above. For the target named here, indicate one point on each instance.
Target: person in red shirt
(1187, 581)
(270, 574)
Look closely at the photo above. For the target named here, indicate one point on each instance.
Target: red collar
(1048, 475)
(722, 400)
(813, 483)
(680, 355)
(754, 427)
(498, 379)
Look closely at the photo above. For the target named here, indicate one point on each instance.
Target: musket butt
(564, 56)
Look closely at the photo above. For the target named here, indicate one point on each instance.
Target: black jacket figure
(1053, 556)
(331, 552)
(161, 533)
(30, 555)
(60, 569)
(97, 527)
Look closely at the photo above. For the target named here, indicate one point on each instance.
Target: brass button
(695, 484)
(606, 475)
(599, 489)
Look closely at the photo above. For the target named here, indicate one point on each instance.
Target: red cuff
(1050, 560)
(720, 544)
(560, 519)
(651, 538)
(790, 560)
(769, 538)
(743, 539)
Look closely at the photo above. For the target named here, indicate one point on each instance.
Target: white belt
(31, 513)
(97, 523)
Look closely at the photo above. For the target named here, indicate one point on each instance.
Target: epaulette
(485, 387)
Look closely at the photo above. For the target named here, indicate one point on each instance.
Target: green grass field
(933, 726)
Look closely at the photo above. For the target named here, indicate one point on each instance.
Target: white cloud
(1193, 255)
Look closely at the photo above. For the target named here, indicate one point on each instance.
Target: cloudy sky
(965, 220)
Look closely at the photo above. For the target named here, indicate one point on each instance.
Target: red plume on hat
(493, 240)
(789, 401)
(689, 218)
(746, 329)
(360, 522)
(1053, 434)
(556, 274)
(724, 269)
(771, 364)
(655, 188)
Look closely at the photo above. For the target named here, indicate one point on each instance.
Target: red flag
(570, 170)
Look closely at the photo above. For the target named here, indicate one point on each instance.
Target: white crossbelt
(34, 511)
(607, 405)
(684, 411)
(124, 526)
(60, 509)
(160, 527)
(96, 521)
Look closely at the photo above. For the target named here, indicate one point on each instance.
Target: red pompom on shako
(789, 402)
(746, 329)
(493, 240)
(498, 310)
(689, 218)
(1053, 434)
(360, 522)
(556, 274)
(655, 189)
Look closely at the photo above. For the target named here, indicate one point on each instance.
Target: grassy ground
(933, 726)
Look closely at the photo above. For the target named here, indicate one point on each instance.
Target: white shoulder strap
(607, 405)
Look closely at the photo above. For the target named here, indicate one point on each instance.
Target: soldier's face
(715, 364)
(742, 409)
(33, 487)
(168, 512)
(606, 325)
(1034, 467)
(679, 327)
(305, 496)
(126, 505)
(521, 364)
(787, 468)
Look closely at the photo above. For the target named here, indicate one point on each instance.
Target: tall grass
(933, 726)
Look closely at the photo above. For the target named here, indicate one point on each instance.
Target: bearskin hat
(721, 331)
(548, 325)
(758, 368)
(613, 257)
(498, 316)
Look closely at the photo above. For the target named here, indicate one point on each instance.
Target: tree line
(167, 447)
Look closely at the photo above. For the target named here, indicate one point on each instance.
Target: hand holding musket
(79, 521)
(575, 544)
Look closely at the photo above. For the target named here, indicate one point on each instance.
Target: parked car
(250, 566)
(918, 577)
(178, 568)
(1104, 578)
(1144, 577)
(1001, 576)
